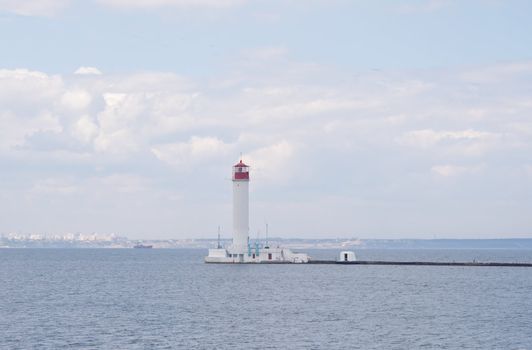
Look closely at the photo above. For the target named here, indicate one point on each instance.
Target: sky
(368, 119)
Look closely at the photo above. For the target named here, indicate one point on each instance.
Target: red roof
(240, 164)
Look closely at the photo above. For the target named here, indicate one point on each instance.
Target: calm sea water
(170, 299)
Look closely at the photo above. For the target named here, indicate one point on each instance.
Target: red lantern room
(240, 172)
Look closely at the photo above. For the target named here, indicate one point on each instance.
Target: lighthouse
(241, 251)
(240, 207)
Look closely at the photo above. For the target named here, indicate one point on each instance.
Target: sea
(170, 299)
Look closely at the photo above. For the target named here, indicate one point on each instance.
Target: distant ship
(142, 246)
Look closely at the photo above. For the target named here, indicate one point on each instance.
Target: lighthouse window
(269, 256)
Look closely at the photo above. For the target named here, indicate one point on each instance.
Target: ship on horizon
(142, 246)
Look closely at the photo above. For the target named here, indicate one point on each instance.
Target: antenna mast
(267, 246)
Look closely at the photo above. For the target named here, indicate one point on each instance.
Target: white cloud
(301, 108)
(54, 186)
(14, 131)
(461, 142)
(41, 8)
(116, 142)
(528, 170)
(88, 71)
(145, 112)
(195, 151)
(23, 86)
(383, 135)
(121, 111)
(273, 163)
(77, 99)
(117, 183)
(492, 74)
(123, 183)
(20, 74)
(450, 170)
(429, 137)
(117, 123)
(85, 129)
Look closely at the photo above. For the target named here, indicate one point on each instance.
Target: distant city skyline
(376, 119)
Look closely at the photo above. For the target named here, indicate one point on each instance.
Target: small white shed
(346, 256)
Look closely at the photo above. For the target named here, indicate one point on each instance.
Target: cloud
(274, 163)
(88, 71)
(368, 141)
(429, 137)
(76, 99)
(15, 131)
(498, 72)
(121, 112)
(450, 170)
(54, 186)
(149, 112)
(462, 142)
(23, 84)
(197, 150)
(528, 170)
(40, 8)
(85, 129)
(122, 183)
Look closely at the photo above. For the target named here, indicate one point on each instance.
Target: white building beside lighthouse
(241, 251)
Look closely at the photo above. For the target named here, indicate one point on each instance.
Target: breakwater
(423, 263)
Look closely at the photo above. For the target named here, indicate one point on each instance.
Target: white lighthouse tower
(240, 208)
(241, 251)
